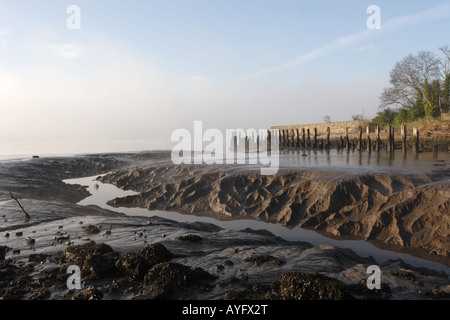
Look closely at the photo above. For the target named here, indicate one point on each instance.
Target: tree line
(420, 88)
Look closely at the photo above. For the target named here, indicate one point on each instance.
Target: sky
(135, 71)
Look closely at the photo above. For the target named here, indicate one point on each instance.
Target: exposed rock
(295, 286)
(170, 275)
(30, 241)
(97, 260)
(190, 237)
(155, 253)
(137, 265)
(91, 229)
(37, 257)
(258, 259)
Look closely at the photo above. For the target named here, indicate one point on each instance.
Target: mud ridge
(402, 209)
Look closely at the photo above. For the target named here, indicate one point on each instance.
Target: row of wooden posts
(292, 138)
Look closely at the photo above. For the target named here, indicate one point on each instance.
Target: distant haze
(137, 70)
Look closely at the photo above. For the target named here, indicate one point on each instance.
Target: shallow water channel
(102, 193)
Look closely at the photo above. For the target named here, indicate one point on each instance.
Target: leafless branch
(26, 215)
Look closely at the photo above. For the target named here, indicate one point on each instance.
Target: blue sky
(136, 70)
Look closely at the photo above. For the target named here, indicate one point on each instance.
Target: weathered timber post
(308, 138)
(288, 138)
(315, 138)
(393, 138)
(303, 138)
(377, 143)
(328, 138)
(416, 140)
(281, 137)
(297, 138)
(389, 138)
(360, 138)
(403, 134)
(293, 139)
(269, 140)
(235, 150)
(369, 144)
(247, 144)
(347, 140)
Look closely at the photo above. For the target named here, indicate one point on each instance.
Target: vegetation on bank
(420, 88)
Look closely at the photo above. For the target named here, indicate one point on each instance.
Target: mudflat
(135, 257)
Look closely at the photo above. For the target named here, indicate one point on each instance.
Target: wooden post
(393, 139)
(369, 144)
(235, 150)
(328, 138)
(247, 144)
(315, 138)
(360, 138)
(377, 133)
(347, 141)
(288, 136)
(281, 138)
(416, 140)
(269, 140)
(389, 138)
(308, 138)
(297, 141)
(286, 133)
(403, 133)
(303, 138)
(293, 144)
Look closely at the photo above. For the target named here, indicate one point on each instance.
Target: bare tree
(445, 75)
(327, 119)
(410, 78)
(445, 61)
(358, 116)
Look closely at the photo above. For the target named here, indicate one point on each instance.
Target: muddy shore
(402, 208)
(123, 257)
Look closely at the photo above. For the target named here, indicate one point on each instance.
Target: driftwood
(26, 215)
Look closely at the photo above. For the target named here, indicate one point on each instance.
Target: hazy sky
(136, 70)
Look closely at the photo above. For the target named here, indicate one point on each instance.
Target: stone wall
(337, 128)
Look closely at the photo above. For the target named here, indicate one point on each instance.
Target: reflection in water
(354, 159)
